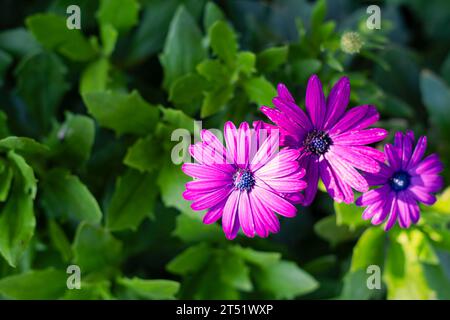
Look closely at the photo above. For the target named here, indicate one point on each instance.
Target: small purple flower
(244, 183)
(404, 181)
(333, 142)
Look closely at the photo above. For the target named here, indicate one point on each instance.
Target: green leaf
(91, 289)
(51, 31)
(64, 195)
(271, 58)
(121, 14)
(223, 42)
(404, 273)
(24, 145)
(212, 14)
(6, 177)
(189, 229)
(17, 224)
(95, 249)
(246, 62)
(234, 271)
(257, 258)
(59, 240)
(95, 77)
(5, 62)
(144, 154)
(355, 286)
(28, 181)
(123, 113)
(334, 63)
(349, 215)
(318, 16)
(41, 84)
(443, 202)
(260, 91)
(4, 130)
(72, 141)
(48, 284)
(436, 97)
(191, 260)
(19, 42)
(186, 89)
(183, 48)
(302, 69)
(285, 280)
(214, 71)
(216, 100)
(151, 289)
(133, 200)
(109, 36)
(171, 182)
(330, 231)
(369, 249)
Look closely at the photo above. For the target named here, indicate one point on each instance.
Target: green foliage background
(85, 143)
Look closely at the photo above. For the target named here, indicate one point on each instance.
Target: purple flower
(333, 142)
(404, 181)
(244, 183)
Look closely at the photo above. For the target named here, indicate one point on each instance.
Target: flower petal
(246, 215)
(311, 165)
(360, 137)
(337, 102)
(230, 134)
(418, 153)
(315, 101)
(205, 172)
(274, 202)
(356, 118)
(210, 199)
(230, 217)
(346, 172)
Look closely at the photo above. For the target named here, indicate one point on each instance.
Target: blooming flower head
(244, 183)
(404, 181)
(332, 141)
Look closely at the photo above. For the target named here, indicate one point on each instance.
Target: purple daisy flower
(404, 181)
(244, 183)
(332, 142)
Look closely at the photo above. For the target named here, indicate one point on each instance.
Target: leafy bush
(86, 140)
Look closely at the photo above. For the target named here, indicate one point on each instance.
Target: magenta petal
(346, 172)
(360, 137)
(266, 152)
(373, 196)
(422, 194)
(429, 165)
(206, 185)
(381, 215)
(246, 215)
(393, 215)
(243, 145)
(293, 112)
(284, 93)
(211, 140)
(311, 166)
(356, 159)
(265, 214)
(210, 199)
(230, 134)
(214, 213)
(230, 217)
(392, 157)
(432, 182)
(204, 172)
(357, 118)
(315, 101)
(404, 213)
(373, 210)
(337, 101)
(274, 202)
(418, 153)
(328, 177)
(284, 185)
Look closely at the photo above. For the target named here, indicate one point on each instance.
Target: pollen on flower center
(400, 181)
(243, 180)
(317, 142)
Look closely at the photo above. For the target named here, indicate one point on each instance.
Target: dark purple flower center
(243, 180)
(400, 181)
(317, 142)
